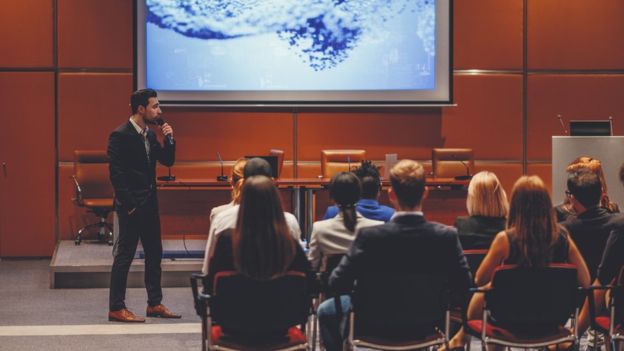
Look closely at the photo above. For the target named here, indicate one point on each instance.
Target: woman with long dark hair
(532, 239)
(261, 246)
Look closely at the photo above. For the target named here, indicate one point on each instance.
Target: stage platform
(88, 265)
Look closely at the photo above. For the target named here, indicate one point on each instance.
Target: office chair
(241, 313)
(334, 161)
(529, 307)
(399, 311)
(280, 160)
(452, 163)
(93, 191)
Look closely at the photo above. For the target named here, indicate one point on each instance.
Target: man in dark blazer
(133, 151)
(591, 226)
(408, 243)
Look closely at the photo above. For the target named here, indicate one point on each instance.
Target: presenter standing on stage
(133, 151)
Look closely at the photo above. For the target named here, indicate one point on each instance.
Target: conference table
(304, 192)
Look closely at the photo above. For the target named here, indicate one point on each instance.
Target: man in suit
(591, 226)
(408, 243)
(133, 151)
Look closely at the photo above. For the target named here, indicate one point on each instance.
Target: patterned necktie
(147, 145)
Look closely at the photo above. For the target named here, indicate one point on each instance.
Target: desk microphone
(349, 162)
(565, 131)
(462, 177)
(168, 137)
(222, 177)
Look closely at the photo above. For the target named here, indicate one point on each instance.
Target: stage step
(88, 265)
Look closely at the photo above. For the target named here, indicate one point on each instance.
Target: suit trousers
(143, 224)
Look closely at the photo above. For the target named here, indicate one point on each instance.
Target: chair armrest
(78, 198)
(200, 299)
(478, 290)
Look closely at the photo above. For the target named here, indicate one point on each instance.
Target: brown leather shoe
(124, 315)
(160, 311)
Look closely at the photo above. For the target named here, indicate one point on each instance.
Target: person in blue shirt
(368, 206)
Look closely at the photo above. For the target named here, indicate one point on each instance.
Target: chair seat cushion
(529, 337)
(603, 323)
(398, 342)
(294, 337)
(98, 203)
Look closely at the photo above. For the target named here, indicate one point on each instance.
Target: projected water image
(290, 44)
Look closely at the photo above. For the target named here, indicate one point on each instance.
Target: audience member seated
(565, 209)
(236, 180)
(227, 218)
(368, 206)
(261, 245)
(591, 226)
(533, 239)
(407, 243)
(335, 235)
(487, 211)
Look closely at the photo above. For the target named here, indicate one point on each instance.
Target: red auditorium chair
(611, 324)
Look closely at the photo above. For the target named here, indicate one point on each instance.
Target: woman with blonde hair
(532, 239)
(236, 180)
(487, 211)
(565, 209)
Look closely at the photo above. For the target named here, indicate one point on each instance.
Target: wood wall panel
(488, 34)
(90, 106)
(574, 96)
(26, 33)
(543, 170)
(410, 134)
(487, 118)
(95, 33)
(575, 34)
(27, 149)
(201, 134)
(507, 173)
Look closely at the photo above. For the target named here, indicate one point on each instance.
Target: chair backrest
(447, 162)
(474, 258)
(91, 172)
(387, 304)
(252, 307)
(334, 161)
(532, 297)
(617, 296)
(280, 160)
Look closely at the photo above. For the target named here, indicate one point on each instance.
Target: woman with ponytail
(335, 235)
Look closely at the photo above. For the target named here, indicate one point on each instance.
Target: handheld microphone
(468, 176)
(565, 131)
(168, 137)
(222, 177)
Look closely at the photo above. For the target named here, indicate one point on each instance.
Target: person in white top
(335, 235)
(227, 218)
(236, 180)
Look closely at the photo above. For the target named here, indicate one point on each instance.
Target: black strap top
(558, 251)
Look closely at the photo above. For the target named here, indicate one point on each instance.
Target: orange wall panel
(90, 106)
(575, 34)
(201, 134)
(410, 134)
(573, 96)
(26, 33)
(507, 173)
(488, 116)
(488, 34)
(543, 170)
(27, 154)
(95, 33)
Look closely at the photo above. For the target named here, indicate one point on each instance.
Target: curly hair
(370, 179)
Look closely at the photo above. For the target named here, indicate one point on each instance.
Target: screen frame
(441, 96)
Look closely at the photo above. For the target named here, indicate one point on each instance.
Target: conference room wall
(573, 64)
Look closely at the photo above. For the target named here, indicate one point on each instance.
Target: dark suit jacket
(590, 231)
(133, 177)
(406, 244)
